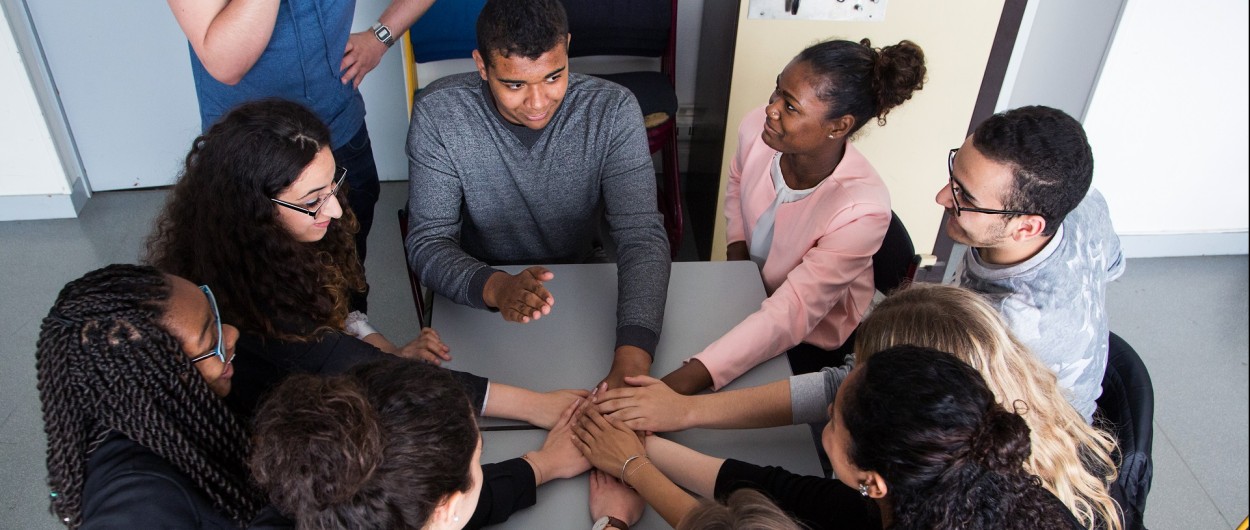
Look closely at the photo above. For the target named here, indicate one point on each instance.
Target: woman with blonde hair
(1072, 458)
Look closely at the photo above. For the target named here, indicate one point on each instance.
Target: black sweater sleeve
(817, 502)
(506, 487)
(261, 363)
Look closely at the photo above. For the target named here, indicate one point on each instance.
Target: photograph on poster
(848, 10)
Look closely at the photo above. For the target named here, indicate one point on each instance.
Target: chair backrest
(1127, 404)
(418, 294)
(895, 262)
(637, 28)
(446, 32)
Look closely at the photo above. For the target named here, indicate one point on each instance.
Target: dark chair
(640, 28)
(896, 261)
(1127, 406)
(418, 293)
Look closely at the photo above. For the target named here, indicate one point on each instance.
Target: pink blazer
(819, 270)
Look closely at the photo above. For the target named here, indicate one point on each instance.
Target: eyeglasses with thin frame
(321, 199)
(219, 349)
(955, 191)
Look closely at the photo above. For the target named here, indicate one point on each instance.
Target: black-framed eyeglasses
(315, 207)
(219, 349)
(955, 191)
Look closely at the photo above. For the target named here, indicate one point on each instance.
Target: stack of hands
(606, 430)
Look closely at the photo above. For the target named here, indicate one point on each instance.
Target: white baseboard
(47, 206)
(1197, 244)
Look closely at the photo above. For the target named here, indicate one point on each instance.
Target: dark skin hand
(690, 379)
(520, 297)
(628, 361)
(737, 251)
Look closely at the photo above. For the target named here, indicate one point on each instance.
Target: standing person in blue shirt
(245, 50)
(523, 162)
(1042, 248)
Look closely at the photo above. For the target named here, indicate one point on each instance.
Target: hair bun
(1001, 443)
(897, 72)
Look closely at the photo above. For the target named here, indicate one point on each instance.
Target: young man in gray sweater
(1042, 248)
(521, 163)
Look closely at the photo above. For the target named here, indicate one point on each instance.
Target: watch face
(383, 33)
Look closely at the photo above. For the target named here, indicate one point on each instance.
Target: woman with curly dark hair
(916, 439)
(132, 364)
(808, 208)
(258, 214)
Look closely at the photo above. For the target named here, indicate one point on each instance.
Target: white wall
(1169, 125)
(33, 182)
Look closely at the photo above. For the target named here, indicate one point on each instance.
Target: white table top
(572, 348)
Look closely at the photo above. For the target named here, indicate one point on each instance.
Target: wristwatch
(383, 33)
(607, 521)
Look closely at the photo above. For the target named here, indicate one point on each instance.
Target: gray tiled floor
(1187, 317)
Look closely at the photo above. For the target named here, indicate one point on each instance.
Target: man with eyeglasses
(1041, 245)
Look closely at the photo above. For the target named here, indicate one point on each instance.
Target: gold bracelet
(538, 472)
(631, 473)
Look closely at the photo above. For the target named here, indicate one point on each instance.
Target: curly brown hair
(107, 364)
(219, 227)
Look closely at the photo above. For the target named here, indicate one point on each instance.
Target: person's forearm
(691, 469)
(228, 37)
(668, 500)
(377, 340)
(627, 361)
(690, 378)
(511, 402)
(749, 408)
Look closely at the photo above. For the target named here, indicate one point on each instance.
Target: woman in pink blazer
(807, 207)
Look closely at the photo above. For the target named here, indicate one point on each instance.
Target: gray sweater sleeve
(635, 224)
(434, 197)
(811, 394)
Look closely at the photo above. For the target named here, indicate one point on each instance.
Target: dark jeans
(362, 182)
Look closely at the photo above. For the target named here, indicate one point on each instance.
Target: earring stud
(863, 489)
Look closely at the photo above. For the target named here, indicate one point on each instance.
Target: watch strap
(613, 522)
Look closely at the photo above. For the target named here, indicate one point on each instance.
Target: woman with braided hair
(808, 208)
(259, 216)
(916, 439)
(132, 366)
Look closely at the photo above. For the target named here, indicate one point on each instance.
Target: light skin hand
(520, 297)
(648, 405)
(559, 456)
(363, 53)
(692, 378)
(737, 251)
(608, 496)
(426, 347)
(606, 442)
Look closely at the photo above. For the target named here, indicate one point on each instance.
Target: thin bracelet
(626, 464)
(631, 473)
(538, 472)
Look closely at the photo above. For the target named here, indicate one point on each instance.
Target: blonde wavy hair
(1072, 458)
